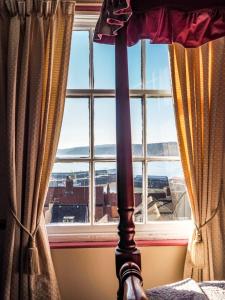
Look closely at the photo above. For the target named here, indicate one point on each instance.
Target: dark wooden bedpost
(128, 259)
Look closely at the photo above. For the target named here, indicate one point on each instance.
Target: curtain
(35, 41)
(198, 77)
(188, 22)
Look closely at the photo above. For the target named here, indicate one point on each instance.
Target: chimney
(69, 183)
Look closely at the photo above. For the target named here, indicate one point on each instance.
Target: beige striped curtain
(35, 37)
(198, 79)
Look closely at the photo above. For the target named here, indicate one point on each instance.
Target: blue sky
(75, 129)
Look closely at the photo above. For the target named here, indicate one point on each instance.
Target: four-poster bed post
(128, 258)
(124, 23)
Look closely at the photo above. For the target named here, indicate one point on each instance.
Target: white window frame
(148, 230)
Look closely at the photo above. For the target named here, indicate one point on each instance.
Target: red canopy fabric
(190, 23)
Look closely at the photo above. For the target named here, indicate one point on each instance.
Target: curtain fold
(198, 77)
(35, 39)
(190, 23)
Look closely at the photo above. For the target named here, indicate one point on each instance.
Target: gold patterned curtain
(35, 37)
(198, 77)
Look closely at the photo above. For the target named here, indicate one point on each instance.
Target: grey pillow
(186, 289)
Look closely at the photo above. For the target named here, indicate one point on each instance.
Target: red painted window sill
(112, 244)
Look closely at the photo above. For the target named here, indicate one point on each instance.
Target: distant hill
(154, 149)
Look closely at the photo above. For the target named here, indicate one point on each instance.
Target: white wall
(89, 273)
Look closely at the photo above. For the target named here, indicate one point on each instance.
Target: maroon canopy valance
(188, 22)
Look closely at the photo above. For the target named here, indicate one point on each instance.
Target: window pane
(78, 76)
(104, 66)
(67, 199)
(161, 129)
(105, 127)
(74, 136)
(138, 195)
(167, 196)
(136, 126)
(105, 192)
(157, 67)
(134, 66)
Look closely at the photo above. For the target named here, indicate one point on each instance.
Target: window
(82, 188)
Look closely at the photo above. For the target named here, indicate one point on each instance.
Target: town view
(69, 188)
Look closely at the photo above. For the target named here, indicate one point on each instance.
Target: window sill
(113, 244)
(152, 232)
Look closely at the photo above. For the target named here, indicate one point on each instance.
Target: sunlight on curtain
(198, 77)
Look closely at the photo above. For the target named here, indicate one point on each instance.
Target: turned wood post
(128, 259)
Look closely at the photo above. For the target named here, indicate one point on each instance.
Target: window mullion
(143, 64)
(91, 55)
(145, 179)
(92, 194)
(144, 133)
(91, 107)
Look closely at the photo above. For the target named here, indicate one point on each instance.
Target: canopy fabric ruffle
(162, 22)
